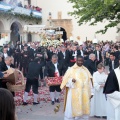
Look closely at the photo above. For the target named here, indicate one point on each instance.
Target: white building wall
(54, 6)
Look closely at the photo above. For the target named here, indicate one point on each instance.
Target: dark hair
(78, 56)
(7, 106)
(37, 59)
(112, 53)
(116, 47)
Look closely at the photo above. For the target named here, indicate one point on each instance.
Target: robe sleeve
(111, 84)
(115, 95)
(114, 98)
(96, 85)
(70, 84)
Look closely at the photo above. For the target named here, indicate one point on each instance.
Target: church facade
(12, 21)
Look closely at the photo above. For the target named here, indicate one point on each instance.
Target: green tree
(94, 11)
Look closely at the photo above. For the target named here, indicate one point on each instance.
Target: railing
(19, 10)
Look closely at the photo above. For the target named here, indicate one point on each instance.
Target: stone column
(8, 36)
(25, 37)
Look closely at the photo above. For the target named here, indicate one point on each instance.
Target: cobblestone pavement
(43, 111)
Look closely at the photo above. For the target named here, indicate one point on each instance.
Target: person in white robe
(112, 91)
(98, 103)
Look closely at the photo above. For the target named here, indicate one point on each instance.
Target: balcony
(4, 7)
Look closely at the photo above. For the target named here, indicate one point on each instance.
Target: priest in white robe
(77, 81)
(99, 105)
(112, 91)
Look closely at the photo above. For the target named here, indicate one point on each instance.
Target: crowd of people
(19, 4)
(73, 61)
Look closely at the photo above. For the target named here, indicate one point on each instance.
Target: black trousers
(25, 68)
(16, 59)
(32, 83)
(55, 88)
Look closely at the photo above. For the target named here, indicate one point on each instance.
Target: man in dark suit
(9, 50)
(32, 80)
(73, 55)
(16, 55)
(98, 55)
(50, 53)
(80, 52)
(24, 60)
(32, 52)
(90, 64)
(63, 57)
(113, 63)
(6, 65)
(116, 52)
(54, 69)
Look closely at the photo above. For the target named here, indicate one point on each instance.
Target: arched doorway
(29, 37)
(1, 28)
(16, 28)
(64, 36)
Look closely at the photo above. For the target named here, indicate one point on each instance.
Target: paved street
(44, 111)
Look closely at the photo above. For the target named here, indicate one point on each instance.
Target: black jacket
(34, 69)
(3, 66)
(117, 54)
(61, 58)
(50, 69)
(116, 64)
(10, 52)
(100, 55)
(49, 53)
(32, 53)
(79, 52)
(90, 65)
(111, 84)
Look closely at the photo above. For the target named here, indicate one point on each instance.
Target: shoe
(36, 103)
(57, 100)
(52, 102)
(25, 103)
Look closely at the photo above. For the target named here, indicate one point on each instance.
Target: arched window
(29, 2)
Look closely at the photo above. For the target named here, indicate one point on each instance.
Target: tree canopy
(94, 11)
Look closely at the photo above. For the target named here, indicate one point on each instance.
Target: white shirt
(113, 65)
(81, 53)
(98, 55)
(74, 54)
(5, 55)
(8, 66)
(56, 69)
(64, 54)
